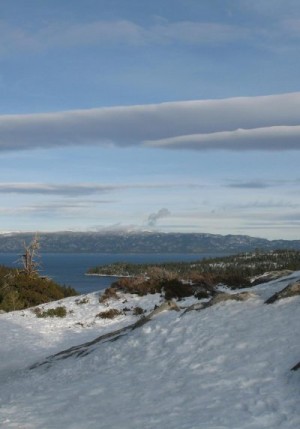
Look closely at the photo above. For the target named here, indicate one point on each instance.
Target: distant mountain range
(141, 242)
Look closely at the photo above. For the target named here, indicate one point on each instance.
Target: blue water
(69, 268)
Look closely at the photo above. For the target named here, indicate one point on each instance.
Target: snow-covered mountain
(226, 366)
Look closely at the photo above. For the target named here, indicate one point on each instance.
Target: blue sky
(173, 115)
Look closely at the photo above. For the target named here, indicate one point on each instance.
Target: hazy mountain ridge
(142, 242)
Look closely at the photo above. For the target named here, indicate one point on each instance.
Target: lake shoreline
(107, 275)
(70, 269)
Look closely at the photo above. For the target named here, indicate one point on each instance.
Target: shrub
(176, 289)
(160, 273)
(234, 278)
(137, 311)
(11, 301)
(138, 286)
(205, 280)
(51, 312)
(19, 291)
(109, 293)
(202, 293)
(84, 300)
(109, 314)
(172, 288)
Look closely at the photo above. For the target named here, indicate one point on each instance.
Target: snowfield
(224, 367)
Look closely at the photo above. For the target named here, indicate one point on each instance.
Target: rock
(270, 276)
(86, 348)
(293, 289)
(296, 367)
(221, 297)
(167, 305)
(202, 292)
(198, 306)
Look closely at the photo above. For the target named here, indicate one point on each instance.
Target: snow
(225, 367)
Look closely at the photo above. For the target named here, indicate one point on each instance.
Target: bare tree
(30, 266)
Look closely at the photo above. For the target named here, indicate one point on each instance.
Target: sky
(169, 115)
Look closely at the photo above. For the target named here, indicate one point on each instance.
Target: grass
(109, 314)
(51, 312)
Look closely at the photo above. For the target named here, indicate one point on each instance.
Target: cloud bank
(81, 189)
(267, 138)
(246, 123)
(74, 190)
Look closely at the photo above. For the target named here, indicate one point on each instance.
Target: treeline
(235, 270)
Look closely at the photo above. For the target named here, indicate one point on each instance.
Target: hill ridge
(142, 242)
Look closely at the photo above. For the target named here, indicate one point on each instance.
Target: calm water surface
(70, 268)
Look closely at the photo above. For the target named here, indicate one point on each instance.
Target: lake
(69, 268)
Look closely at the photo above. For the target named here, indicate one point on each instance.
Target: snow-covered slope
(227, 366)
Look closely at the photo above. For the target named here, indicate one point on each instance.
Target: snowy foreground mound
(225, 366)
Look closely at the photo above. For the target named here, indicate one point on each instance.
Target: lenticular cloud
(246, 123)
(267, 138)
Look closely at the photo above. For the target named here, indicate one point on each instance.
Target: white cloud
(251, 123)
(128, 32)
(55, 189)
(16, 38)
(268, 138)
(63, 34)
(253, 184)
(161, 32)
(196, 33)
(98, 33)
(91, 33)
(271, 8)
(81, 189)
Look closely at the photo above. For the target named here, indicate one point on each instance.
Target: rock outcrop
(221, 297)
(293, 289)
(296, 367)
(270, 276)
(86, 348)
